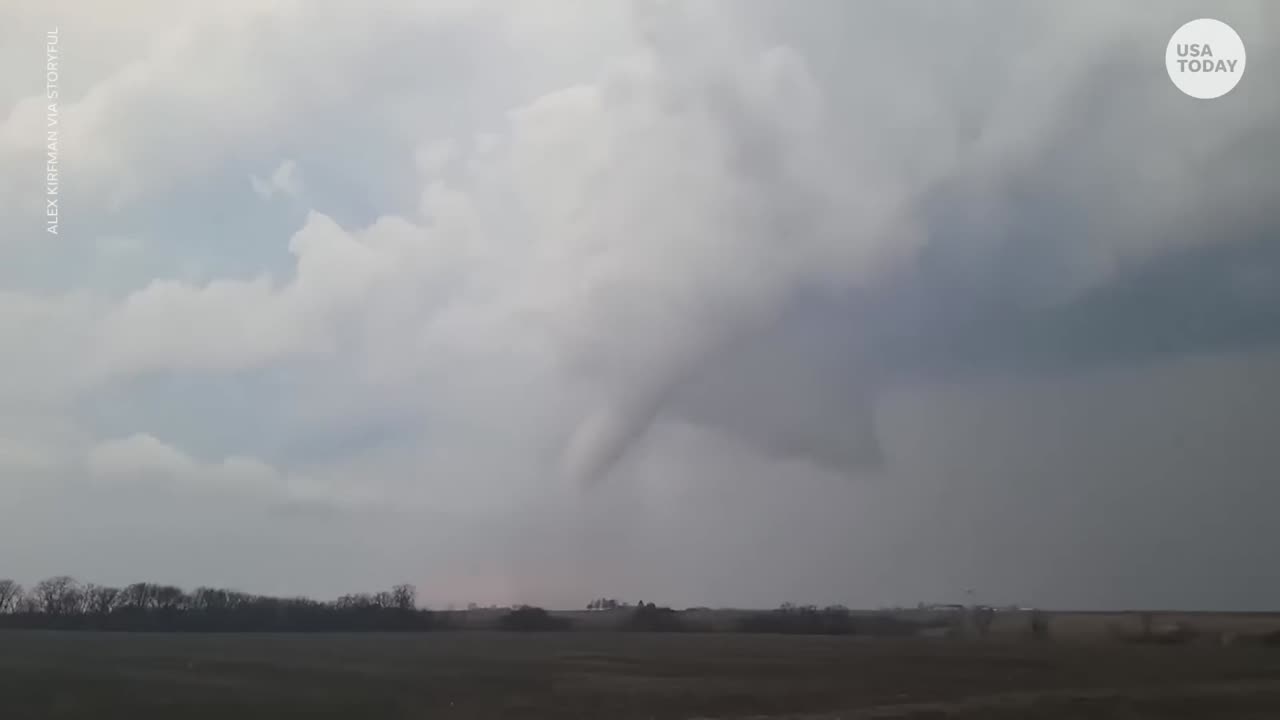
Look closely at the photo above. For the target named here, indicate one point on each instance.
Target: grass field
(620, 675)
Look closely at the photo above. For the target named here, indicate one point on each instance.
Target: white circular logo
(1205, 58)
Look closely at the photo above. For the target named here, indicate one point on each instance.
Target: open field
(621, 675)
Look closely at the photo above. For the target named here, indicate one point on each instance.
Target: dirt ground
(622, 675)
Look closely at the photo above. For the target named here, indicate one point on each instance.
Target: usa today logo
(1205, 58)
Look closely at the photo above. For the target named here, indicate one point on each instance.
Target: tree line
(64, 603)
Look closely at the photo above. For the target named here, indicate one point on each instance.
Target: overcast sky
(704, 303)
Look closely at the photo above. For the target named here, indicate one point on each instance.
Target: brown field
(1083, 672)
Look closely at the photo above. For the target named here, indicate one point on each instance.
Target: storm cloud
(603, 292)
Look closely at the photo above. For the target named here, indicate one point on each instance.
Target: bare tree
(26, 604)
(100, 599)
(356, 601)
(10, 594)
(58, 595)
(168, 597)
(237, 599)
(210, 599)
(404, 597)
(140, 596)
